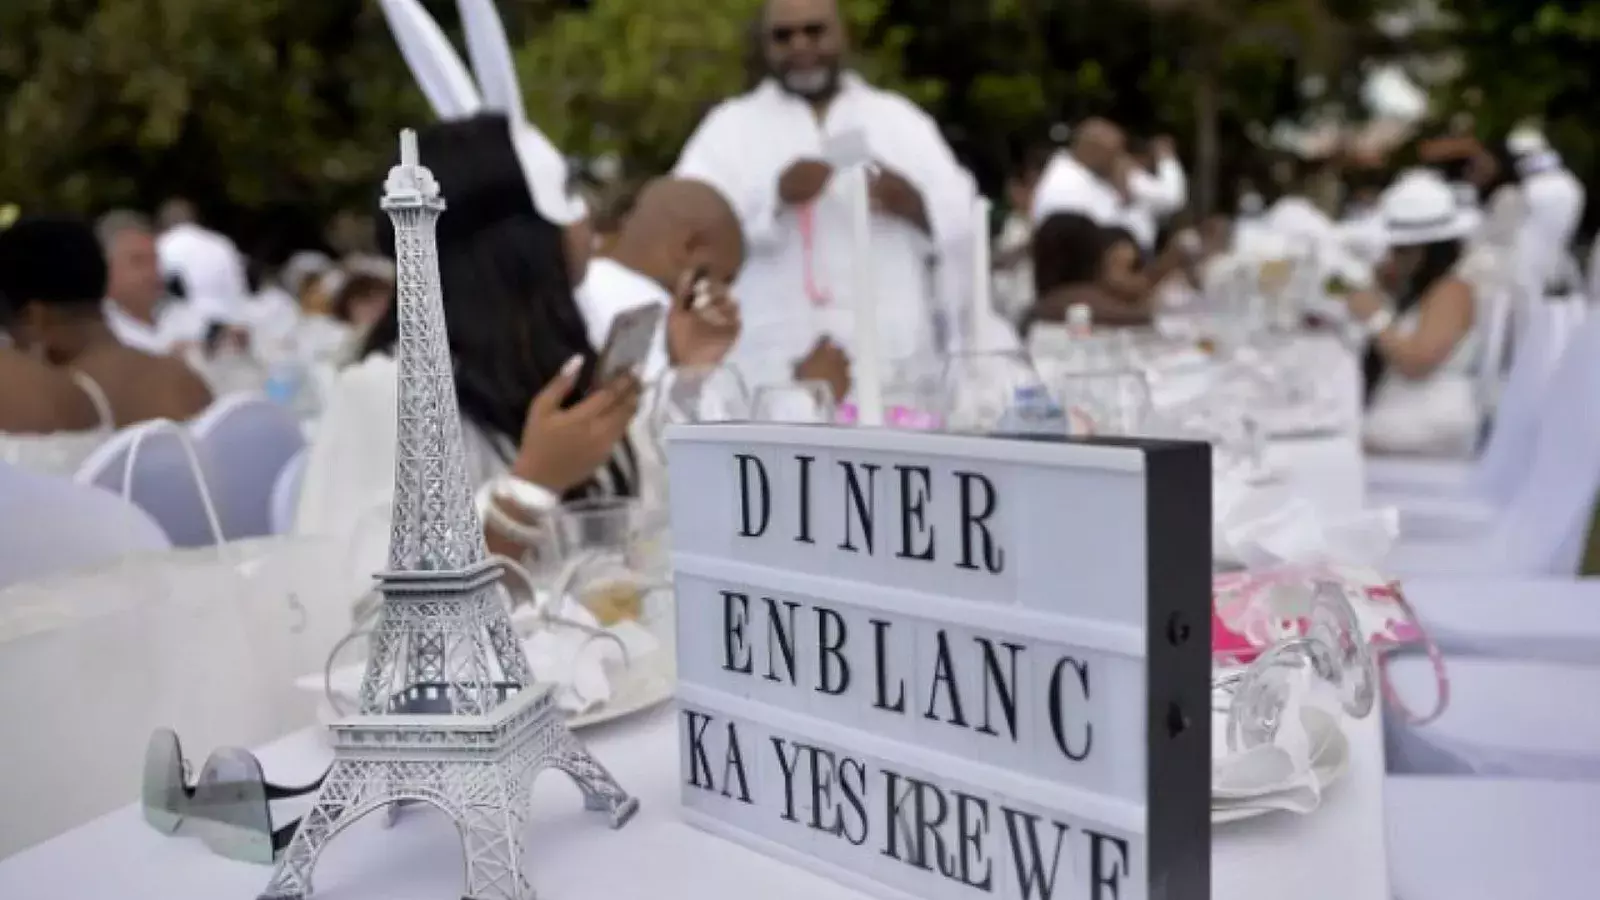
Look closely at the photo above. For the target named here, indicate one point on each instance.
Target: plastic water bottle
(284, 381)
(1034, 411)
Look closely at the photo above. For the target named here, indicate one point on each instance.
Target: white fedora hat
(1421, 208)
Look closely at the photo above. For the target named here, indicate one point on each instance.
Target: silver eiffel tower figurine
(449, 714)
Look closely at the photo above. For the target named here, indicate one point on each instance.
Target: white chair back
(156, 466)
(1535, 533)
(248, 440)
(1541, 334)
(286, 493)
(52, 525)
(1496, 344)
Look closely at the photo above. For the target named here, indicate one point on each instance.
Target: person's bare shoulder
(189, 393)
(39, 398)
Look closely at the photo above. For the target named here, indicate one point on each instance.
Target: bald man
(680, 246)
(775, 151)
(1083, 178)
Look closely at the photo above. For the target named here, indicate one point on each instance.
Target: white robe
(743, 147)
(1554, 200)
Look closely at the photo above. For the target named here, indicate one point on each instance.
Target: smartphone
(628, 342)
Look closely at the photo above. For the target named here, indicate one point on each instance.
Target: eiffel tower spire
(435, 527)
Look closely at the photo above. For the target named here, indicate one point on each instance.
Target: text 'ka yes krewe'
(935, 666)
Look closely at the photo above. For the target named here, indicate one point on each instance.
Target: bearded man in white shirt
(768, 151)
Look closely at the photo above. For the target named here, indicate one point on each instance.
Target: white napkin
(1280, 774)
(575, 662)
(1269, 525)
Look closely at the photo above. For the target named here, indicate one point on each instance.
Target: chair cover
(206, 641)
(249, 440)
(1505, 718)
(1549, 620)
(286, 493)
(53, 526)
(157, 467)
(1540, 532)
(1460, 838)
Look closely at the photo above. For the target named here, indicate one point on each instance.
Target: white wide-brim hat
(1421, 208)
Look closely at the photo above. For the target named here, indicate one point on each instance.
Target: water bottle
(1034, 411)
(284, 383)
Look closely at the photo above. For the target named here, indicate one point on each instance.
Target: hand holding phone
(628, 343)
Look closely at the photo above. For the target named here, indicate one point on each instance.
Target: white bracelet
(525, 494)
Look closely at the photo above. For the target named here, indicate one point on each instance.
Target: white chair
(248, 440)
(1552, 620)
(1491, 838)
(1541, 531)
(1505, 718)
(52, 525)
(158, 467)
(286, 493)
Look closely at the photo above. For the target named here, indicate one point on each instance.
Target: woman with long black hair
(1424, 343)
(523, 362)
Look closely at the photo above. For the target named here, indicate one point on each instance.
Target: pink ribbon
(896, 417)
(816, 293)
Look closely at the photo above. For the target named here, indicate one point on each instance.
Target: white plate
(1331, 762)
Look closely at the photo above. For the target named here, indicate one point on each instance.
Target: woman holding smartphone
(524, 366)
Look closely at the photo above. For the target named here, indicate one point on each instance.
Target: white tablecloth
(1337, 853)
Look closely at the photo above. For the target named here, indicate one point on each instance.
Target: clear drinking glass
(618, 560)
(698, 394)
(980, 393)
(799, 403)
(1330, 654)
(1110, 403)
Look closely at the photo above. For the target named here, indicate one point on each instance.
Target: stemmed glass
(802, 402)
(1112, 402)
(981, 393)
(698, 394)
(1326, 649)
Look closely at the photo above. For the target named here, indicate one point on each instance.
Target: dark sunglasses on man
(785, 34)
(229, 807)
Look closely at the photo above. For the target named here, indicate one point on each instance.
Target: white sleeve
(715, 154)
(948, 191)
(1165, 192)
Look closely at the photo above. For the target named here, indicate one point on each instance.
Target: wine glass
(698, 394)
(980, 393)
(802, 402)
(1114, 402)
(1329, 653)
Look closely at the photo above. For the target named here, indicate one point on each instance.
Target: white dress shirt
(609, 289)
(797, 279)
(174, 325)
(1066, 186)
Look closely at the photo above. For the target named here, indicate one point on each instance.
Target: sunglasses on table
(229, 805)
(784, 34)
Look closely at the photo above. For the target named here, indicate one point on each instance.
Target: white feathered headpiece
(451, 91)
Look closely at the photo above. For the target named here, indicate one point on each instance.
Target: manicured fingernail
(571, 366)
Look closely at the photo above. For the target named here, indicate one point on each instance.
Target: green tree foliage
(234, 103)
(1523, 59)
(635, 76)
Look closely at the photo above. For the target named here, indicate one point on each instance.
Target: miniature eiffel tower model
(449, 714)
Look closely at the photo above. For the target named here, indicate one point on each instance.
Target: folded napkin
(1258, 526)
(576, 662)
(1280, 774)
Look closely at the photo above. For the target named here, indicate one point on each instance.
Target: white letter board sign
(936, 666)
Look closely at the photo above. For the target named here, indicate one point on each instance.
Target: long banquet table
(1336, 853)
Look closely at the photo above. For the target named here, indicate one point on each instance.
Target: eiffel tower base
(485, 790)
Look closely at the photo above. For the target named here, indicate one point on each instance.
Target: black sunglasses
(228, 807)
(783, 34)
